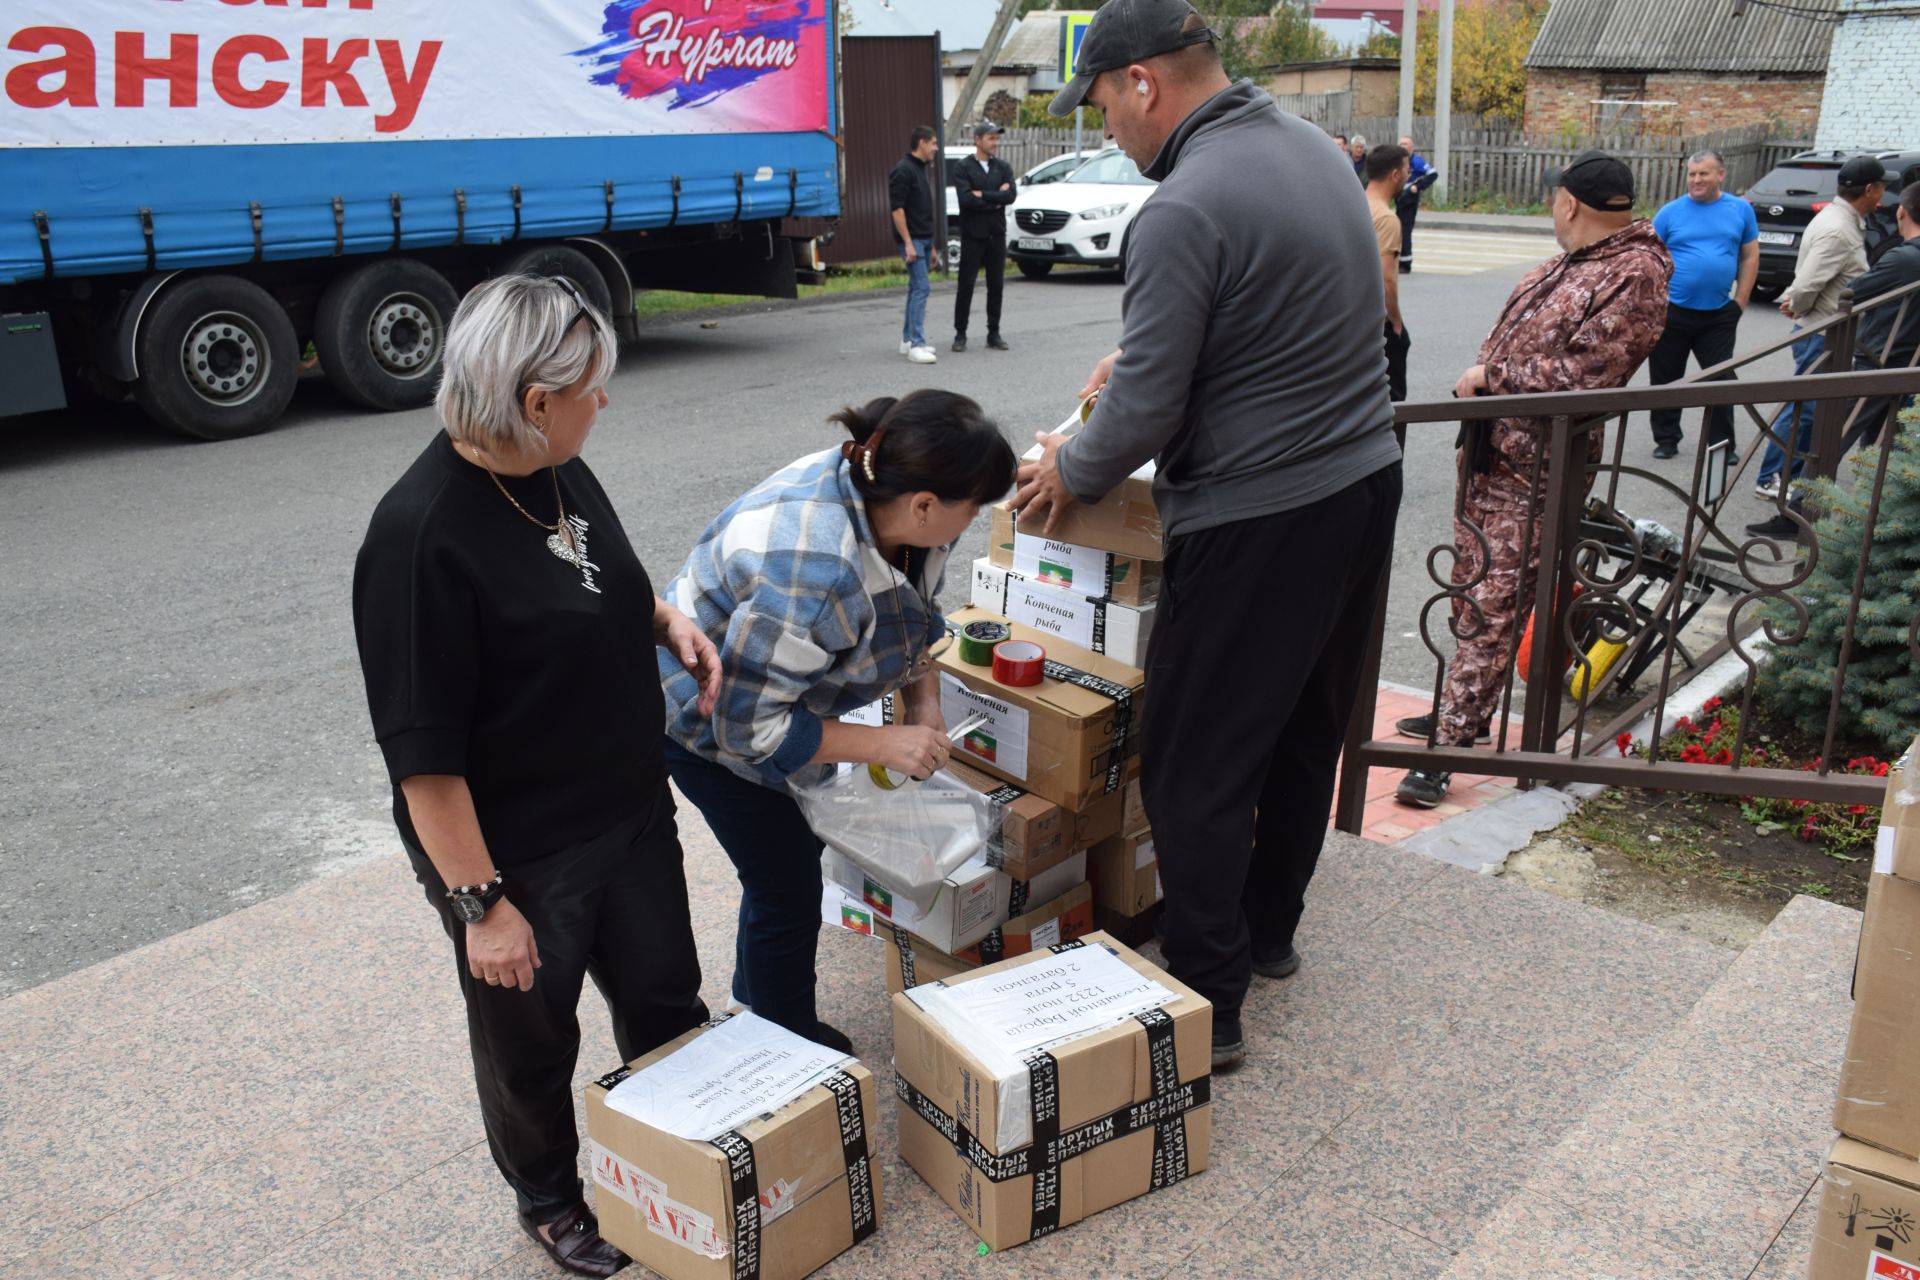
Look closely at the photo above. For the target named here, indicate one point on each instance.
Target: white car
(1055, 169)
(1082, 218)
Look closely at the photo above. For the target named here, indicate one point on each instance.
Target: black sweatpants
(1706, 335)
(1407, 211)
(613, 908)
(1398, 344)
(1255, 662)
(976, 252)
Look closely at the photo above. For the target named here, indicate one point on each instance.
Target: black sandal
(576, 1244)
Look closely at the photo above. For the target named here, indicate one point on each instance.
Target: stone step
(1700, 1160)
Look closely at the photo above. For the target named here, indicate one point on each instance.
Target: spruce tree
(1880, 700)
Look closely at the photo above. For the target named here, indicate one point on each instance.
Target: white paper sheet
(742, 1068)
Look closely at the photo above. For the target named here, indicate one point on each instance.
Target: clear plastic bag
(909, 838)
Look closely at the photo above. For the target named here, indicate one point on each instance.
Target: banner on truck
(106, 73)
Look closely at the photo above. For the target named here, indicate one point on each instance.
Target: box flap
(1850, 1153)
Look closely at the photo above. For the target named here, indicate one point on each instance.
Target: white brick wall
(1873, 78)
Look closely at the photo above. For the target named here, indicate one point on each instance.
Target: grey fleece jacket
(1253, 366)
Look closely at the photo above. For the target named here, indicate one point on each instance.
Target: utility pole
(1409, 28)
(1443, 103)
(982, 67)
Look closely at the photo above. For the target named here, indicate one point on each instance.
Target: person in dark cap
(1251, 371)
(1583, 321)
(985, 185)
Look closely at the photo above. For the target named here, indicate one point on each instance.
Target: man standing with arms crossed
(985, 186)
(910, 200)
(1250, 370)
(1715, 243)
(1387, 174)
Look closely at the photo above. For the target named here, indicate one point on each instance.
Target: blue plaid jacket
(809, 620)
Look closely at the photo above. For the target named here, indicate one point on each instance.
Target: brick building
(1681, 66)
(1877, 102)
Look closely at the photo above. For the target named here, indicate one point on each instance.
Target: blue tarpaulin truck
(191, 191)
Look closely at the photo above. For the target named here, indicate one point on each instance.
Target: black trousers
(614, 909)
(976, 252)
(1398, 344)
(1406, 211)
(1252, 690)
(1706, 335)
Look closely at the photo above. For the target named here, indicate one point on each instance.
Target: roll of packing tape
(977, 640)
(1019, 663)
(885, 778)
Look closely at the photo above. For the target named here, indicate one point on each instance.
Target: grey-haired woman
(507, 633)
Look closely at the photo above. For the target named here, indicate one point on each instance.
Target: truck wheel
(1033, 270)
(217, 358)
(381, 330)
(562, 260)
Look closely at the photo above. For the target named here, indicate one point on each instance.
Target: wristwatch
(471, 902)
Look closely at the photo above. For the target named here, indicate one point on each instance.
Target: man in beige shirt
(1387, 168)
(1832, 252)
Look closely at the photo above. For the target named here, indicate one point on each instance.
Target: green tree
(1490, 43)
(1880, 700)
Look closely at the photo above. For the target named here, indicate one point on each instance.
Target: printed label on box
(1882, 1267)
(1060, 564)
(1071, 617)
(1883, 852)
(742, 1068)
(873, 715)
(1143, 854)
(976, 907)
(682, 1224)
(1046, 935)
(1063, 995)
(1000, 739)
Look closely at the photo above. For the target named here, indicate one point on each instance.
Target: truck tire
(381, 331)
(217, 358)
(561, 260)
(1033, 270)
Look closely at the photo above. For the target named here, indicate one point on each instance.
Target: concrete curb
(1503, 223)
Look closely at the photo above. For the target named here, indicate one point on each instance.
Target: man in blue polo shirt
(1715, 243)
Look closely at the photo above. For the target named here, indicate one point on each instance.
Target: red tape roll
(1019, 663)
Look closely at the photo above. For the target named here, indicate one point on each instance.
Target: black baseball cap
(1862, 171)
(1596, 180)
(985, 127)
(1124, 32)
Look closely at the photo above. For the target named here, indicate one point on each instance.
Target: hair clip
(866, 459)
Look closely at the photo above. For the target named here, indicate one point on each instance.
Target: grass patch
(856, 277)
(1487, 202)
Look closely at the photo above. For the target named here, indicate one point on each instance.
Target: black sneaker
(1666, 451)
(1281, 966)
(1421, 727)
(997, 342)
(1423, 789)
(1228, 1046)
(959, 342)
(1780, 528)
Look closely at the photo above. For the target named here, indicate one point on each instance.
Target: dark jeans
(1398, 344)
(1406, 211)
(1239, 756)
(976, 252)
(778, 859)
(1795, 419)
(613, 908)
(1706, 335)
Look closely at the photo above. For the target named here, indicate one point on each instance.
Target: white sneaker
(1767, 489)
(905, 347)
(922, 355)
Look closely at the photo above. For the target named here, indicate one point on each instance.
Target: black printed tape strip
(903, 941)
(1044, 1072)
(614, 1077)
(999, 799)
(858, 1155)
(745, 1179)
(993, 947)
(1122, 699)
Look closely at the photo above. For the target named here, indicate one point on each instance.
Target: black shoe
(1780, 528)
(959, 342)
(1406, 268)
(832, 1038)
(1228, 1046)
(997, 342)
(576, 1245)
(1423, 789)
(1421, 727)
(1666, 451)
(1283, 966)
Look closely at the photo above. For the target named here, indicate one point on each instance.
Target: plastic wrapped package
(909, 837)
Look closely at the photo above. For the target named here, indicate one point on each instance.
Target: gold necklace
(561, 527)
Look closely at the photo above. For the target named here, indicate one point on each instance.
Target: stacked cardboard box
(1870, 1199)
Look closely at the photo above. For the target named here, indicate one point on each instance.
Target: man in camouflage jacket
(1583, 321)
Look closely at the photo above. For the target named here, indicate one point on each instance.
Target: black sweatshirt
(908, 189)
(489, 656)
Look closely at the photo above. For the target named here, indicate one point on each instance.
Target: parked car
(1082, 218)
(1056, 169)
(1785, 200)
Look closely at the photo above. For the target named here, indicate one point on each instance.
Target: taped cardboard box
(1104, 626)
(1068, 739)
(969, 905)
(1125, 873)
(1126, 521)
(1879, 1098)
(1869, 1202)
(911, 962)
(1897, 850)
(1023, 1141)
(779, 1195)
(1087, 570)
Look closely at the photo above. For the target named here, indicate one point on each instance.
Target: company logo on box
(1885, 1268)
(852, 917)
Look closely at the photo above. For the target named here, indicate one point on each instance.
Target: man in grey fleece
(1250, 369)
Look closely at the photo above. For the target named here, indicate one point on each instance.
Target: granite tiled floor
(285, 1093)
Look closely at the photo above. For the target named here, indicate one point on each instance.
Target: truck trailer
(193, 191)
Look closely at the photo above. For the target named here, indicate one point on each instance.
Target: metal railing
(1644, 585)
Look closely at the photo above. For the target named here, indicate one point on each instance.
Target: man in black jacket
(985, 185)
(910, 205)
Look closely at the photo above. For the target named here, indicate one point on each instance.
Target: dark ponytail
(936, 441)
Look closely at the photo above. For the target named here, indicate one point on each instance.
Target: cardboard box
(1135, 931)
(1088, 570)
(969, 905)
(1879, 1098)
(1086, 1123)
(793, 1189)
(1034, 832)
(911, 962)
(1897, 851)
(1067, 739)
(1133, 814)
(1125, 522)
(1104, 626)
(1869, 1200)
(1125, 874)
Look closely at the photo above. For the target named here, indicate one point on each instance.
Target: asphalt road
(184, 730)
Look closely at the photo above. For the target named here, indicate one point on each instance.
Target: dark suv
(1785, 201)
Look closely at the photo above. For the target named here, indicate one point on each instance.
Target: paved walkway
(1387, 820)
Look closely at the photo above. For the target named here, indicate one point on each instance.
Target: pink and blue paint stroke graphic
(698, 53)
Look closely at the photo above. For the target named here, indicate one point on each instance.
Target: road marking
(1465, 253)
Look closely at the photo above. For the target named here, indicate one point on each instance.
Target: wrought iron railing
(1645, 585)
